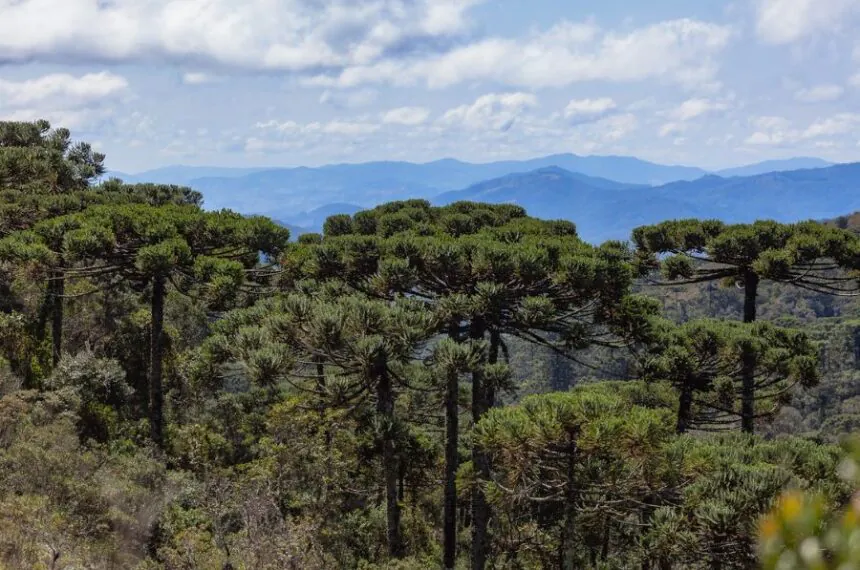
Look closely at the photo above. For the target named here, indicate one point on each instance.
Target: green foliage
(574, 472)
(705, 361)
(805, 254)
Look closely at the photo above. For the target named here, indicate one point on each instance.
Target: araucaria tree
(44, 175)
(213, 254)
(488, 272)
(367, 348)
(705, 361)
(807, 255)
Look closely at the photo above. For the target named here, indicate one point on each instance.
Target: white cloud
(679, 50)
(854, 80)
(336, 127)
(786, 21)
(198, 78)
(840, 124)
(819, 93)
(589, 109)
(291, 35)
(61, 89)
(771, 130)
(494, 111)
(407, 116)
(692, 108)
(65, 100)
(70, 119)
(770, 122)
(349, 128)
(672, 128)
(617, 127)
(779, 130)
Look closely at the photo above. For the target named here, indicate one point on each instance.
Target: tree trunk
(391, 469)
(568, 539)
(156, 356)
(685, 409)
(751, 281)
(748, 391)
(493, 358)
(452, 409)
(58, 286)
(480, 507)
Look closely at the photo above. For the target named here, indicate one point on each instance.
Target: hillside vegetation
(464, 385)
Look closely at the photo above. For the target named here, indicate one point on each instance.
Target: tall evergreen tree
(44, 174)
(489, 272)
(369, 347)
(705, 361)
(182, 246)
(807, 255)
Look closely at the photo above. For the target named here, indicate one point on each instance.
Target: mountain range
(606, 196)
(602, 214)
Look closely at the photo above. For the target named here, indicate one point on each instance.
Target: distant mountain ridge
(305, 188)
(601, 214)
(605, 196)
(797, 163)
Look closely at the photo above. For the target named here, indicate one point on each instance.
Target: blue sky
(306, 82)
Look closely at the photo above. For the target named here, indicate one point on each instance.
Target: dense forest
(462, 386)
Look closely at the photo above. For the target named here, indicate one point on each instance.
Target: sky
(706, 83)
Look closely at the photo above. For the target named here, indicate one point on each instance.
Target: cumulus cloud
(336, 127)
(618, 127)
(290, 35)
(62, 89)
(407, 116)
(819, 94)
(679, 50)
(690, 109)
(61, 98)
(779, 130)
(839, 124)
(587, 110)
(786, 21)
(493, 111)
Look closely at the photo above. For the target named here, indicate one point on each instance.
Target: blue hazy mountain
(304, 188)
(797, 163)
(602, 214)
(179, 174)
(313, 220)
(559, 186)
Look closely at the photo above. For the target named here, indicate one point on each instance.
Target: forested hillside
(458, 386)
